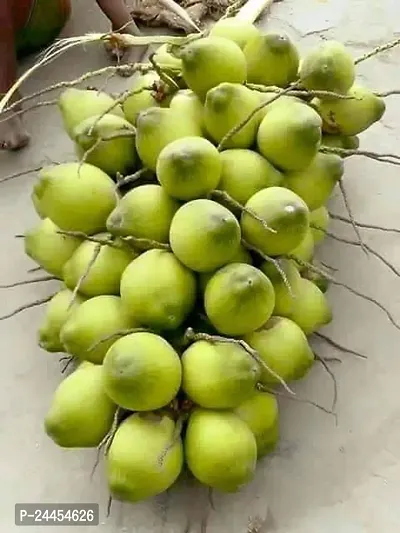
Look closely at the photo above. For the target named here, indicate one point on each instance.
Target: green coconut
(204, 235)
(187, 103)
(80, 414)
(320, 218)
(290, 136)
(76, 197)
(220, 449)
(283, 346)
(115, 155)
(57, 312)
(189, 168)
(76, 105)
(284, 212)
(311, 309)
(218, 375)
(261, 414)
(238, 31)
(142, 372)
(239, 298)
(142, 97)
(245, 172)
(210, 61)
(145, 457)
(104, 274)
(165, 59)
(351, 116)
(315, 184)
(227, 105)
(328, 67)
(158, 290)
(48, 248)
(84, 334)
(144, 212)
(272, 59)
(157, 127)
(284, 298)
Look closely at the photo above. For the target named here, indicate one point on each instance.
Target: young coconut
(188, 104)
(144, 212)
(76, 105)
(290, 136)
(311, 309)
(238, 299)
(116, 155)
(189, 168)
(145, 457)
(81, 414)
(157, 127)
(328, 67)
(319, 217)
(238, 31)
(272, 59)
(49, 249)
(283, 211)
(261, 414)
(245, 172)
(84, 332)
(57, 313)
(316, 183)
(204, 235)
(210, 61)
(103, 274)
(283, 346)
(304, 251)
(284, 298)
(220, 449)
(142, 372)
(166, 60)
(139, 101)
(226, 106)
(350, 116)
(218, 375)
(158, 290)
(76, 197)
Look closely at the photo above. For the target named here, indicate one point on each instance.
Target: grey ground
(324, 478)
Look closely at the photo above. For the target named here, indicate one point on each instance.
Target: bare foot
(13, 135)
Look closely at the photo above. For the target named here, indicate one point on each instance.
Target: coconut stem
(275, 262)
(378, 50)
(21, 173)
(147, 244)
(356, 243)
(191, 336)
(132, 178)
(107, 441)
(163, 76)
(392, 159)
(46, 103)
(338, 346)
(224, 196)
(174, 439)
(233, 131)
(301, 92)
(362, 225)
(67, 362)
(345, 286)
(85, 274)
(28, 282)
(34, 269)
(30, 305)
(116, 335)
(81, 235)
(332, 377)
(350, 212)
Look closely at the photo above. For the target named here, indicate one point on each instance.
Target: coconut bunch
(184, 238)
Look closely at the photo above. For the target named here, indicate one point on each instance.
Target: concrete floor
(324, 478)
